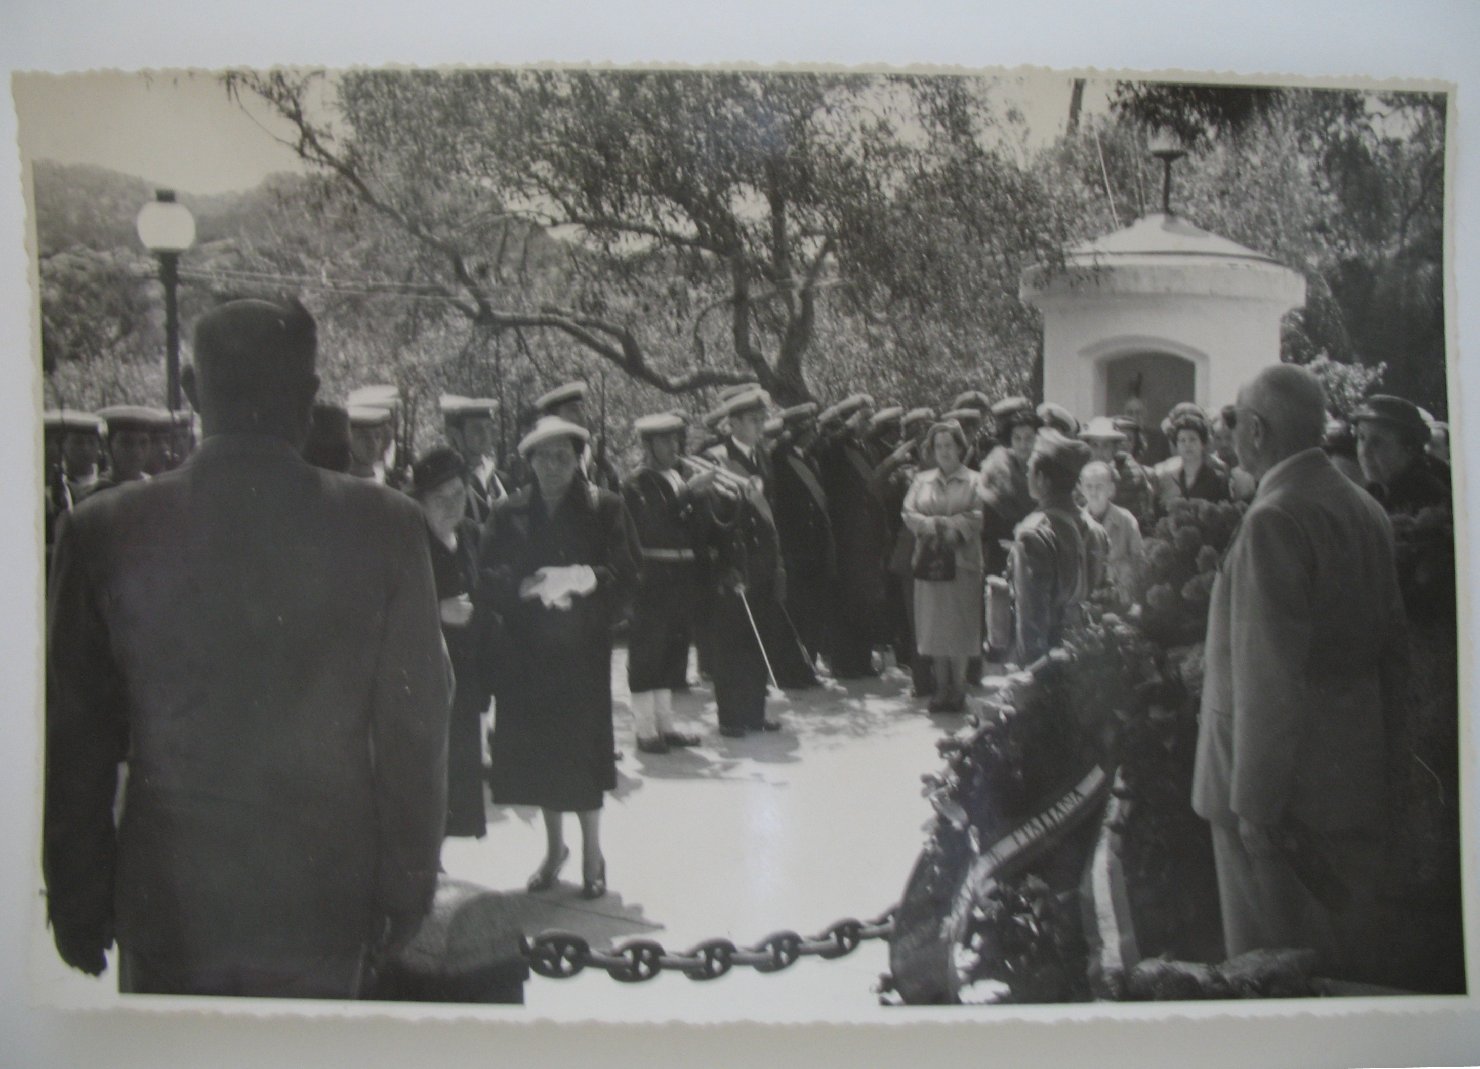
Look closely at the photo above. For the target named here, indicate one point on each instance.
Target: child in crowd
(1097, 485)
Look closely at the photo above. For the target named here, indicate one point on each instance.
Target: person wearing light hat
(391, 467)
(556, 563)
(861, 532)
(1108, 443)
(1004, 478)
(804, 530)
(468, 424)
(73, 444)
(1391, 437)
(438, 483)
(970, 421)
(1194, 473)
(370, 438)
(973, 399)
(1059, 418)
(568, 402)
(256, 640)
(161, 443)
(1058, 552)
(884, 428)
(130, 430)
(667, 522)
(739, 666)
(81, 449)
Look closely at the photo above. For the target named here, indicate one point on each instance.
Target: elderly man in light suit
(1303, 662)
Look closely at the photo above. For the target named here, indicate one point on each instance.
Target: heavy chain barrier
(560, 955)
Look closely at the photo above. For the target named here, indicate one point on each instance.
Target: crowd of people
(189, 616)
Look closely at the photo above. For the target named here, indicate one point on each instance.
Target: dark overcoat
(455, 572)
(552, 734)
(259, 640)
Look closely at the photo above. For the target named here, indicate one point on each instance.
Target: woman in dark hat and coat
(1391, 439)
(437, 483)
(557, 560)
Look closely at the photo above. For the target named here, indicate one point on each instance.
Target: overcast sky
(179, 130)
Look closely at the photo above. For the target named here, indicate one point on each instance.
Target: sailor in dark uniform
(663, 512)
(369, 441)
(882, 436)
(746, 571)
(1058, 418)
(971, 421)
(568, 402)
(861, 534)
(130, 430)
(74, 444)
(467, 423)
(74, 473)
(393, 465)
(979, 440)
(804, 529)
(746, 454)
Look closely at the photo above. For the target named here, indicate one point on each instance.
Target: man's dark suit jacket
(259, 640)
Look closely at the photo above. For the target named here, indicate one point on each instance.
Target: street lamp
(1167, 147)
(167, 229)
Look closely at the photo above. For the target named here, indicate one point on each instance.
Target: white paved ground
(736, 838)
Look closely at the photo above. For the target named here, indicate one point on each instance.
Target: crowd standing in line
(789, 548)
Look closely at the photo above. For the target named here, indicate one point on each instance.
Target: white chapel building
(1163, 310)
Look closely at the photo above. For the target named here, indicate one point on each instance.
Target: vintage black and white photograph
(745, 543)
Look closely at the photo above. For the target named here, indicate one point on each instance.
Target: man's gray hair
(1292, 403)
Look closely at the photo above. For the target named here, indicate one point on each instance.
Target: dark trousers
(293, 976)
(789, 659)
(808, 594)
(662, 630)
(1264, 904)
(735, 664)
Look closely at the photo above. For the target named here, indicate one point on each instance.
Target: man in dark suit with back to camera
(1304, 662)
(258, 639)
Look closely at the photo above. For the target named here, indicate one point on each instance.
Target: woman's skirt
(948, 616)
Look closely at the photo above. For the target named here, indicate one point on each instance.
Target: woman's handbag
(935, 560)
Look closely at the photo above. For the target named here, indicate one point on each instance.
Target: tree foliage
(707, 215)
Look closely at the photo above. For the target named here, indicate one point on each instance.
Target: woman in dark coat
(556, 562)
(438, 483)
(1194, 473)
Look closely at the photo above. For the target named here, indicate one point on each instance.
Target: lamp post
(1167, 147)
(167, 229)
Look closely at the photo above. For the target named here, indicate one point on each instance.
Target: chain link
(560, 955)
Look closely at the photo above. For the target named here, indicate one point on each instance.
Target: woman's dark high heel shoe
(595, 887)
(546, 875)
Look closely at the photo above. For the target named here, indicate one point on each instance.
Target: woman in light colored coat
(943, 506)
